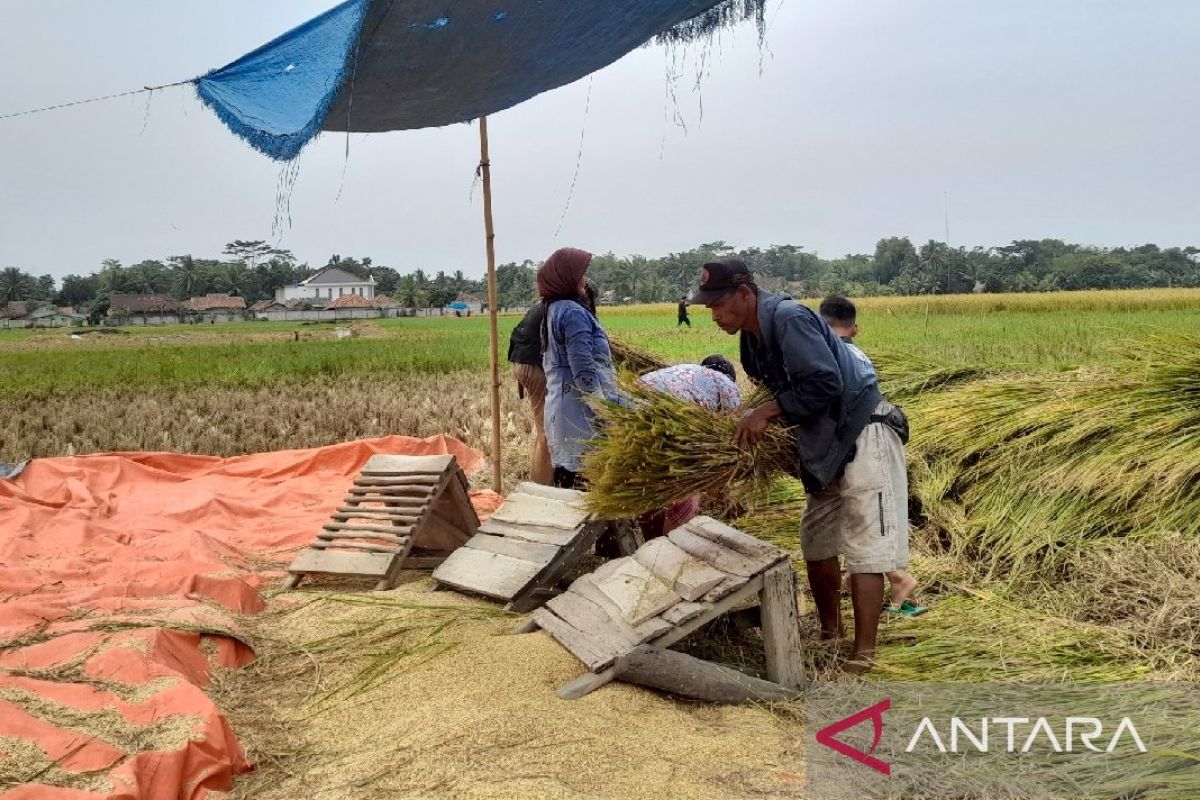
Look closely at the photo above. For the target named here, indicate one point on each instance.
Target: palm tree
(16, 285)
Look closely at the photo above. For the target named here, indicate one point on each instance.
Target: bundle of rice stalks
(906, 375)
(1038, 467)
(655, 450)
(982, 637)
(634, 359)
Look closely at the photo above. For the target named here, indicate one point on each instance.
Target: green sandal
(907, 609)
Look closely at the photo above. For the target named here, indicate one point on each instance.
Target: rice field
(1055, 472)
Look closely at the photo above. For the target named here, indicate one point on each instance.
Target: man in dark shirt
(683, 313)
(831, 407)
(525, 355)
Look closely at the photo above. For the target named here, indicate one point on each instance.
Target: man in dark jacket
(841, 451)
(525, 355)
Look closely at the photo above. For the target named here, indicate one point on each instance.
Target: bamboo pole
(485, 168)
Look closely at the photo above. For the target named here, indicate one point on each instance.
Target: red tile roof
(349, 301)
(142, 303)
(216, 302)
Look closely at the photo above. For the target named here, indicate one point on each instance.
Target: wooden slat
(408, 465)
(395, 530)
(592, 681)
(642, 632)
(584, 615)
(636, 591)
(383, 537)
(683, 612)
(457, 505)
(715, 555)
(392, 491)
(736, 540)
(541, 554)
(544, 585)
(322, 544)
(489, 574)
(527, 509)
(372, 513)
(587, 649)
(528, 533)
(687, 576)
(569, 497)
(334, 562)
(402, 481)
(724, 589)
(386, 502)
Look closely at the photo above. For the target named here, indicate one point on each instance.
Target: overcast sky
(1075, 119)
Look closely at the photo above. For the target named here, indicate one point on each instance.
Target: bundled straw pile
(656, 450)
(1020, 471)
(634, 359)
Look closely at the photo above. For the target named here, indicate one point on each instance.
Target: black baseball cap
(719, 278)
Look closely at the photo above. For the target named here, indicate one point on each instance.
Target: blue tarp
(382, 65)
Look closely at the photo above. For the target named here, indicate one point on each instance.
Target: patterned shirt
(703, 386)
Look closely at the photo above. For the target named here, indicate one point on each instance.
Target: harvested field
(1054, 470)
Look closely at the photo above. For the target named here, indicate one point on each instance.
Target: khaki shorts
(863, 515)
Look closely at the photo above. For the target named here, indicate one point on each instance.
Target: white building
(325, 286)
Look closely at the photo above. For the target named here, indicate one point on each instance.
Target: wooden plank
(555, 536)
(367, 565)
(736, 540)
(584, 615)
(422, 562)
(590, 682)
(715, 555)
(489, 574)
(688, 676)
(683, 612)
(636, 591)
(457, 505)
(527, 509)
(570, 497)
(386, 502)
(724, 589)
(688, 577)
(406, 465)
(388, 492)
(415, 481)
(541, 554)
(628, 536)
(543, 587)
(781, 626)
(355, 547)
(378, 537)
(591, 651)
(395, 530)
(652, 628)
(369, 513)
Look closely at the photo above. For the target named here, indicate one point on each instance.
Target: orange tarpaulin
(113, 568)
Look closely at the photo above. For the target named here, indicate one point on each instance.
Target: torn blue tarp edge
(9, 472)
(286, 147)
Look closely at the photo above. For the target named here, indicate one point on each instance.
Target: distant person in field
(842, 317)
(852, 464)
(684, 319)
(577, 361)
(711, 384)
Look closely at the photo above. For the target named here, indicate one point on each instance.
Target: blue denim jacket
(578, 363)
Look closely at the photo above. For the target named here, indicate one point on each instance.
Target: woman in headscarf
(577, 361)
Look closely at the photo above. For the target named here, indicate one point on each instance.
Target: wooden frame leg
(781, 627)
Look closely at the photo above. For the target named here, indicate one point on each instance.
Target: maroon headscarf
(558, 278)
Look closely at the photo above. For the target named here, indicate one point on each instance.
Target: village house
(142, 304)
(326, 285)
(218, 302)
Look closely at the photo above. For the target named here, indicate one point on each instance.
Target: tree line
(254, 270)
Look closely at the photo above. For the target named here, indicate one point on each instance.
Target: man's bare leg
(866, 593)
(825, 579)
